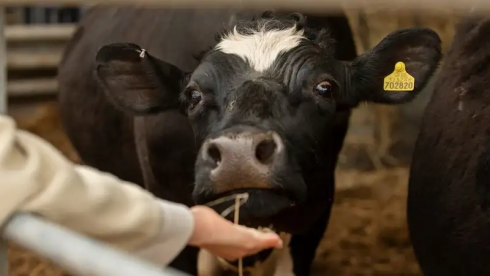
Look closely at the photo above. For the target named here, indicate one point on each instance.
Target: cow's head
(262, 102)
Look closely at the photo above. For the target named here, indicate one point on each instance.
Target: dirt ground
(367, 234)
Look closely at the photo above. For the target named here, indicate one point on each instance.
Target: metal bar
(297, 5)
(31, 58)
(3, 64)
(32, 87)
(39, 32)
(75, 253)
(4, 269)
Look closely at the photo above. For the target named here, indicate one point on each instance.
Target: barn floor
(367, 234)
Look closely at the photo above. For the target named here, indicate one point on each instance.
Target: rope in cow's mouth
(237, 214)
(242, 199)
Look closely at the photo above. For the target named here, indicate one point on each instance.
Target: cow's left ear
(408, 57)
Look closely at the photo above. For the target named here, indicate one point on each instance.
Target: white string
(237, 214)
(240, 200)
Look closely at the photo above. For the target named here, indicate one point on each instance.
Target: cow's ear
(137, 82)
(394, 71)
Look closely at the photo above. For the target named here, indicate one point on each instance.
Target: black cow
(449, 190)
(263, 108)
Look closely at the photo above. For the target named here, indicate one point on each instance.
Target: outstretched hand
(227, 240)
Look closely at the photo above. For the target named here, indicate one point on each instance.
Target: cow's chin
(259, 208)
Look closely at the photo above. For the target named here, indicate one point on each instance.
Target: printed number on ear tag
(399, 80)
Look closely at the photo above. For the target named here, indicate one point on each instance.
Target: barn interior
(367, 234)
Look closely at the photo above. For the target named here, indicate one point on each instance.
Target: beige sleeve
(36, 177)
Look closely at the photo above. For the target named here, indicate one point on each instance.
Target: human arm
(37, 178)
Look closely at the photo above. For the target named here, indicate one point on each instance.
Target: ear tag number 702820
(399, 80)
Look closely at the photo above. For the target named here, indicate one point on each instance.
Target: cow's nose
(243, 160)
(257, 149)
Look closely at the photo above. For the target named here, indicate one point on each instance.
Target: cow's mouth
(251, 260)
(256, 209)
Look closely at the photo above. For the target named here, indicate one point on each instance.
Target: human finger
(253, 238)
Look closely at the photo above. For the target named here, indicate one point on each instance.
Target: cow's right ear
(137, 82)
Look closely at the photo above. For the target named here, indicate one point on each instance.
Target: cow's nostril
(214, 154)
(265, 151)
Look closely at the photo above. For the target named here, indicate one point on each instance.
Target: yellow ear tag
(399, 80)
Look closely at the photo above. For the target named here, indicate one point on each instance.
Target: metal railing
(73, 252)
(313, 6)
(35, 38)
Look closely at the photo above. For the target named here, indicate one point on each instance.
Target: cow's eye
(324, 89)
(195, 97)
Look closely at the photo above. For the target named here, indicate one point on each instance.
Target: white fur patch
(261, 48)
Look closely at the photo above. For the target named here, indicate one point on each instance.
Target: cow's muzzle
(248, 161)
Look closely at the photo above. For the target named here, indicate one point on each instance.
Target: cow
(448, 201)
(202, 104)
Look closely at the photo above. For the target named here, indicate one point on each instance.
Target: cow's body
(448, 205)
(268, 107)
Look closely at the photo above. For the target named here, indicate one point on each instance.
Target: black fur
(449, 195)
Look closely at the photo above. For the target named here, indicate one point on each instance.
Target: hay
(367, 234)
(42, 119)
(24, 263)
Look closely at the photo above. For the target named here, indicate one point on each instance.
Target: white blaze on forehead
(260, 48)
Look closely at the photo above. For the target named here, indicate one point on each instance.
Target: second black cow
(449, 197)
(267, 107)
